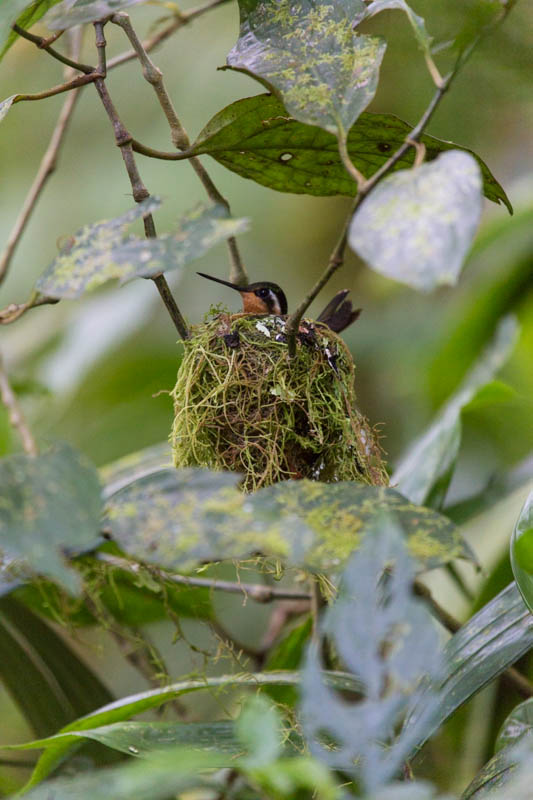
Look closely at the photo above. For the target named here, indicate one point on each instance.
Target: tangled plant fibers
(241, 404)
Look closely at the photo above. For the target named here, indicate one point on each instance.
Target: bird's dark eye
(263, 293)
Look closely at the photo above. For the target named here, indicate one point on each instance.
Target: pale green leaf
(309, 53)
(417, 23)
(31, 14)
(522, 552)
(417, 225)
(77, 12)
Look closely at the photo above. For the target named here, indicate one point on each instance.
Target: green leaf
(180, 518)
(491, 640)
(522, 552)
(494, 774)
(259, 729)
(103, 251)
(47, 504)
(31, 14)
(57, 747)
(9, 13)
(134, 466)
(77, 12)
(256, 138)
(325, 73)
(417, 225)
(417, 23)
(518, 724)
(424, 473)
(387, 638)
(492, 394)
(48, 681)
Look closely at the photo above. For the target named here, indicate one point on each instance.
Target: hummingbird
(264, 297)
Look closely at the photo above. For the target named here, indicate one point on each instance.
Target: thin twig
(15, 415)
(43, 45)
(13, 311)
(511, 675)
(258, 592)
(75, 83)
(164, 155)
(140, 192)
(46, 168)
(179, 136)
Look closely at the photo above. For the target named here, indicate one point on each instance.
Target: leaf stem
(15, 415)
(348, 164)
(258, 592)
(179, 136)
(123, 140)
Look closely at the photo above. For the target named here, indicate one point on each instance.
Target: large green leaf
(76, 12)
(57, 747)
(418, 224)
(31, 14)
(103, 251)
(48, 504)
(387, 638)
(180, 518)
(309, 53)
(492, 640)
(424, 473)
(522, 552)
(257, 138)
(48, 681)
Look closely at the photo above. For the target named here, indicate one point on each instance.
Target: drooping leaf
(417, 23)
(77, 12)
(103, 251)
(309, 53)
(492, 640)
(418, 224)
(424, 473)
(522, 552)
(47, 679)
(180, 518)
(56, 747)
(257, 138)
(31, 14)
(386, 638)
(49, 504)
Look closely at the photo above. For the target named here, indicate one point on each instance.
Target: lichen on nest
(242, 405)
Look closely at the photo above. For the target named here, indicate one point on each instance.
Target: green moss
(242, 405)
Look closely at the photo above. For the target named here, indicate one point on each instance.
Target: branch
(179, 136)
(15, 415)
(15, 310)
(75, 83)
(42, 44)
(258, 592)
(140, 192)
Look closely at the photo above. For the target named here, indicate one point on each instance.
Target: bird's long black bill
(219, 280)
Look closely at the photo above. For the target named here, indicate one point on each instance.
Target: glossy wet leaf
(77, 12)
(56, 747)
(417, 225)
(522, 552)
(258, 139)
(386, 637)
(103, 251)
(424, 473)
(49, 504)
(491, 640)
(308, 52)
(181, 518)
(417, 23)
(31, 14)
(493, 775)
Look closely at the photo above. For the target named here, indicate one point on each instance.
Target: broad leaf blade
(387, 639)
(428, 463)
(257, 138)
(77, 12)
(48, 504)
(104, 251)
(417, 225)
(308, 52)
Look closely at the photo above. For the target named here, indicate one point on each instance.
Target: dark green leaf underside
(258, 139)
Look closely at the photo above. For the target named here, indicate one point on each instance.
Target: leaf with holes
(77, 12)
(417, 225)
(424, 473)
(308, 52)
(258, 139)
(386, 638)
(48, 504)
(103, 251)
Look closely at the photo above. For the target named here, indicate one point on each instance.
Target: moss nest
(242, 405)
